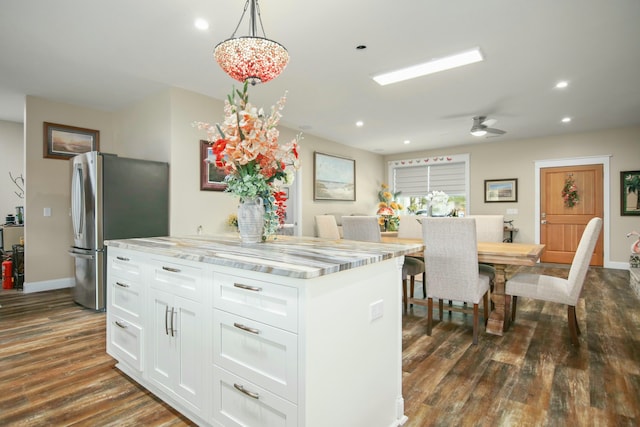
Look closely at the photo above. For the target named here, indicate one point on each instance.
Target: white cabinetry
(255, 352)
(176, 325)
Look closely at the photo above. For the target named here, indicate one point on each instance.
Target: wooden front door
(561, 226)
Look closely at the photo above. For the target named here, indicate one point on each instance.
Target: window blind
(419, 180)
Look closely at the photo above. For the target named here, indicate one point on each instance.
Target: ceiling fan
(481, 127)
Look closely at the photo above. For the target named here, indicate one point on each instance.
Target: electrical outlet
(376, 310)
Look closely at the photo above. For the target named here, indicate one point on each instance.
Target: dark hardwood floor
(54, 370)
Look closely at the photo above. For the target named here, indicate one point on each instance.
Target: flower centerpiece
(570, 192)
(437, 203)
(388, 209)
(246, 147)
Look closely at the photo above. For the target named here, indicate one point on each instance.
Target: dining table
(500, 255)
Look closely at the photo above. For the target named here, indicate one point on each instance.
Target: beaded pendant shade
(251, 58)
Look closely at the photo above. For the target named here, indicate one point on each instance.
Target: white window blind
(419, 180)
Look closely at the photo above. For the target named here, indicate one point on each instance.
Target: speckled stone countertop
(298, 257)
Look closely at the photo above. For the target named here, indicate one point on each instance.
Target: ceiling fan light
(478, 132)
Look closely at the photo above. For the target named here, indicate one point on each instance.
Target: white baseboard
(49, 285)
(617, 265)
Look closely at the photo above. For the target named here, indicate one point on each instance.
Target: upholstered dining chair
(327, 227)
(451, 264)
(556, 289)
(367, 229)
(410, 227)
(489, 228)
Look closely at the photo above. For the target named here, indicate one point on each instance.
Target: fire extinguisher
(7, 274)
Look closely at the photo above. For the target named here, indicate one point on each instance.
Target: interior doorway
(559, 226)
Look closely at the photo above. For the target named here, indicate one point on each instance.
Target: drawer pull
(172, 270)
(247, 287)
(122, 285)
(120, 324)
(245, 391)
(246, 328)
(121, 258)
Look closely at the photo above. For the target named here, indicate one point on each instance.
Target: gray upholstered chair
(451, 264)
(410, 227)
(367, 229)
(489, 228)
(556, 289)
(327, 227)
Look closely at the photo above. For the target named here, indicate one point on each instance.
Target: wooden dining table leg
(498, 320)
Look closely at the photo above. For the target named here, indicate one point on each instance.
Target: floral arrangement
(232, 221)
(570, 192)
(388, 208)
(246, 147)
(438, 201)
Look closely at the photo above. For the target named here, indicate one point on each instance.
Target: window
(415, 178)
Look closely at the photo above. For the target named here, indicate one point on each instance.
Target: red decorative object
(251, 58)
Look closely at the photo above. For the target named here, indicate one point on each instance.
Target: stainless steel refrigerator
(112, 198)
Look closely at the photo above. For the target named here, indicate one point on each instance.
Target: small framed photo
(500, 190)
(334, 178)
(630, 193)
(64, 142)
(211, 176)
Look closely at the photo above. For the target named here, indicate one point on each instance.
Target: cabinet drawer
(125, 264)
(269, 303)
(264, 355)
(125, 297)
(125, 341)
(179, 279)
(252, 407)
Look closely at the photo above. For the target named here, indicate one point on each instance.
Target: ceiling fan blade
(496, 131)
(489, 122)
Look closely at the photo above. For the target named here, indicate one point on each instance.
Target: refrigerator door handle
(77, 202)
(81, 255)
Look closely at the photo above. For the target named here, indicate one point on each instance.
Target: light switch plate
(376, 310)
(47, 211)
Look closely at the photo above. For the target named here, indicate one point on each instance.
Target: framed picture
(630, 193)
(334, 178)
(500, 190)
(64, 142)
(211, 176)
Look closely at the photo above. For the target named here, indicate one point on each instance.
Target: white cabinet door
(176, 364)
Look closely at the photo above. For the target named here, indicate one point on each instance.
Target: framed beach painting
(500, 190)
(630, 193)
(334, 178)
(64, 142)
(211, 176)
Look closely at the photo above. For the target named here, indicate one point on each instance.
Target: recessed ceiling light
(359, 123)
(566, 119)
(201, 24)
(406, 141)
(434, 66)
(562, 84)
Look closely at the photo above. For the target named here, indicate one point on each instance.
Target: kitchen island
(291, 332)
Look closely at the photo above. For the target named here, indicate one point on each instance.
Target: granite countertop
(298, 257)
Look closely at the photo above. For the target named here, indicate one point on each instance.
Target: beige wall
(11, 160)
(47, 239)
(516, 159)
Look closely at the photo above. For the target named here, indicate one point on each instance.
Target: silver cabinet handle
(121, 258)
(246, 328)
(122, 285)
(172, 327)
(120, 324)
(166, 320)
(247, 287)
(172, 270)
(245, 391)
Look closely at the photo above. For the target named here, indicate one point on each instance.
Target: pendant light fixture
(251, 58)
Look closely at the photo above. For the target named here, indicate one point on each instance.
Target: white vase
(251, 220)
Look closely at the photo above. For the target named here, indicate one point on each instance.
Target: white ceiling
(108, 54)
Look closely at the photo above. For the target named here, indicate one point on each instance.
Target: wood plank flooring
(54, 370)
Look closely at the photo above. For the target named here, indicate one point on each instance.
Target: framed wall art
(334, 178)
(630, 193)
(500, 190)
(211, 176)
(64, 142)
